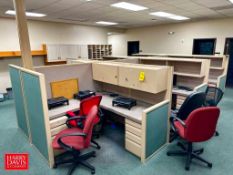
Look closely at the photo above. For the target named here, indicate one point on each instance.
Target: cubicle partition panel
(22, 121)
(155, 129)
(201, 88)
(222, 82)
(82, 72)
(36, 111)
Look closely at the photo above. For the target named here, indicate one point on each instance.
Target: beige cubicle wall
(151, 113)
(218, 66)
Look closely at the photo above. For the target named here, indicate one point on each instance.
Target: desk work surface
(135, 113)
(181, 92)
(61, 110)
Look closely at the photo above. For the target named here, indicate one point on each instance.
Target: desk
(135, 119)
(106, 103)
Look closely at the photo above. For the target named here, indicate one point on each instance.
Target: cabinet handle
(115, 76)
(126, 79)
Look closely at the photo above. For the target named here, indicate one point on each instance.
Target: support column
(23, 34)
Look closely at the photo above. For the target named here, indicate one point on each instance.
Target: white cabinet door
(84, 52)
(53, 52)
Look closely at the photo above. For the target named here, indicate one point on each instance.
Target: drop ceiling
(87, 13)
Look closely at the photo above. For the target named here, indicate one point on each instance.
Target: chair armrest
(100, 113)
(74, 118)
(65, 146)
(179, 120)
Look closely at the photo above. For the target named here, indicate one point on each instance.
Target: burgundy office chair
(85, 107)
(73, 140)
(198, 127)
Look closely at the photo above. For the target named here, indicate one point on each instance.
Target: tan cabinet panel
(105, 73)
(153, 78)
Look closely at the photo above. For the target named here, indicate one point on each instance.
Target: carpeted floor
(113, 159)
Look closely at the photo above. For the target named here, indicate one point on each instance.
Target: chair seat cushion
(180, 128)
(77, 142)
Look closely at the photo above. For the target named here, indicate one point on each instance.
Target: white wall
(156, 39)
(43, 33)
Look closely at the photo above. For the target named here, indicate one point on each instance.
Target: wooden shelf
(216, 68)
(188, 75)
(212, 81)
(13, 54)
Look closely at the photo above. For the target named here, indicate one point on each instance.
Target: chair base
(190, 153)
(75, 159)
(96, 144)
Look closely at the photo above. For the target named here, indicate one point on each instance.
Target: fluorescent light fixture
(170, 15)
(106, 23)
(129, 6)
(231, 1)
(162, 14)
(29, 14)
(179, 18)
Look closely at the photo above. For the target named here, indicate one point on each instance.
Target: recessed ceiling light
(179, 18)
(129, 6)
(169, 15)
(231, 1)
(106, 23)
(30, 14)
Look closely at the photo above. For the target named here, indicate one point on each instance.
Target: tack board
(65, 88)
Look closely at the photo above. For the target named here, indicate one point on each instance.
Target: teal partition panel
(18, 97)
(33, 98)
(156, 129)
(222, 83)
(202, 88)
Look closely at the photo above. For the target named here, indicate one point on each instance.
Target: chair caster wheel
(55, 166)
(210, 165)
(168, 154)
(187, 168)
(98, 147)
(94, 155)
(93, 172)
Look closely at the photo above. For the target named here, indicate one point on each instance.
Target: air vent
(74, 20)
(222, 7)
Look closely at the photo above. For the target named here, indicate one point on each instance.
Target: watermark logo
(16, 161)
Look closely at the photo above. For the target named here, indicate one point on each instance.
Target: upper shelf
(13, 54)
(188, 75)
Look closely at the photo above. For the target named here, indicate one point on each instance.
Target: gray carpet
(113, 159)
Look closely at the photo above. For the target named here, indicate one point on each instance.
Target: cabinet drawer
(133, 147)
(132, 129)
(57, 122)
(134, 124)
(56, 130)
(133, 137)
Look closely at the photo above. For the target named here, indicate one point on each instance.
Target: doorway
(133, 47)
(229, 51)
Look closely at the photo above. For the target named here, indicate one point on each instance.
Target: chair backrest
(88, 103)
(89, 124)
(192, 102)
(213, 96)
(201, 124)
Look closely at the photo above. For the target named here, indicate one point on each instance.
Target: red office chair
(198, 127)
(73, 140)
(85, 107)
